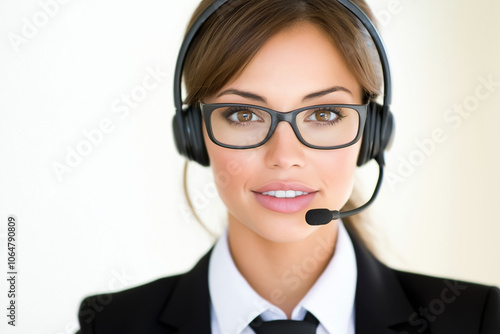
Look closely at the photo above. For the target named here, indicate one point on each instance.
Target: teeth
(284, 193)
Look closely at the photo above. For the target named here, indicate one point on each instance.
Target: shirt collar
(330, 300)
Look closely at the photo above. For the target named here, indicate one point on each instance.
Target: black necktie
(308, 326)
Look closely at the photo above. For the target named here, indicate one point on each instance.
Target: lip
(285, 205)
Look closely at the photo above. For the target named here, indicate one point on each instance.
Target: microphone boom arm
(380, 162)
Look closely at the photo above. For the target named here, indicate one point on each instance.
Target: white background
(118, 218)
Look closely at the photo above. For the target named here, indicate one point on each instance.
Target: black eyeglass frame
(290, 117)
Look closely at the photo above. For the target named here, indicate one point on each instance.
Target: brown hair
(231, 37)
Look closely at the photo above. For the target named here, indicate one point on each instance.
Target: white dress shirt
(234, 304)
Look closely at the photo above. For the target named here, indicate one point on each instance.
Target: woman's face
(295, 68)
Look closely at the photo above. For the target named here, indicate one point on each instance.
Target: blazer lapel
(188, 309)
(381, 304)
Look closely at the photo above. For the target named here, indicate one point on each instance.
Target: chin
(281, 229)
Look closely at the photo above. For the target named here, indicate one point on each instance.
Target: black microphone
(316, 217)
(321, 216)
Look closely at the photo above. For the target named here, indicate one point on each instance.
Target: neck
(281, 272)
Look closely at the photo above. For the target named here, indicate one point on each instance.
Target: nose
(284, 150)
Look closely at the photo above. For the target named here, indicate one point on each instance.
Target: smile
(284, 193)
(285, 197)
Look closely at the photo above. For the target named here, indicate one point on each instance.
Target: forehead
(294, 63)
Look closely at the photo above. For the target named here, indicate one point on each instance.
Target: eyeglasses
(244, 126)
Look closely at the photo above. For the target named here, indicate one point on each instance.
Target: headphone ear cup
(196, 143)
(388, 130)
(367, 141)
(378, 133)
(188, 135)
(179, 133)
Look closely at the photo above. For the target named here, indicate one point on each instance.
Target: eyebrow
(255, 97)
(326, 92)
(244, 94)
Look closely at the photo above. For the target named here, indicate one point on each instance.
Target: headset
(378, 132)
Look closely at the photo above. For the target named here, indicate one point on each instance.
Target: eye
(324, 115)
(243, 116)
(239, 115)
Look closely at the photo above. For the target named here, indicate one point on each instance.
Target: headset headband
(355, 10)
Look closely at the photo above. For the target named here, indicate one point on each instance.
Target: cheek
(338, 169)
(229, 168)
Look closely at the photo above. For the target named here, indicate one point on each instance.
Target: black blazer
(387, 302)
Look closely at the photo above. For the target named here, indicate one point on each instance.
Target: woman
(278, 93)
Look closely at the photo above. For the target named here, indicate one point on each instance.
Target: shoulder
(143, 304)
(416, 303)
(161, 306)
(440, 302)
